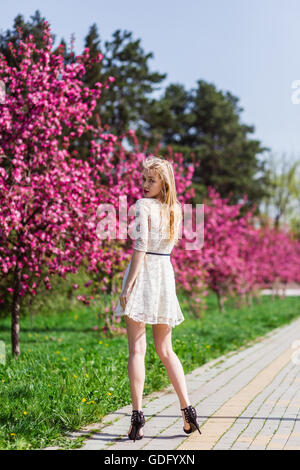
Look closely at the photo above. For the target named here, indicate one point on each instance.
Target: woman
(149, 292)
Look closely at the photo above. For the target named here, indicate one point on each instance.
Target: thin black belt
(162, 254)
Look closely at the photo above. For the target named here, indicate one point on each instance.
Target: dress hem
(172, 324)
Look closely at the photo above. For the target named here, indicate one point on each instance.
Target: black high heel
(190, 416)
(137, 421)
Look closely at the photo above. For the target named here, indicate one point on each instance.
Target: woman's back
(150, 232)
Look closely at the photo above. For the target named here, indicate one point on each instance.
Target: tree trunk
(15, 319)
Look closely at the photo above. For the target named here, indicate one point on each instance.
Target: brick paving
(247, 399)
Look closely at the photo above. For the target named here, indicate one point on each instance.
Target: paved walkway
(247, 399)
(295, 291)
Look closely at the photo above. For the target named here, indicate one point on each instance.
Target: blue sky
(248, 47)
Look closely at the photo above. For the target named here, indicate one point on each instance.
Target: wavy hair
(171, 207)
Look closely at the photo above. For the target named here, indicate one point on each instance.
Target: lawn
(69, 375)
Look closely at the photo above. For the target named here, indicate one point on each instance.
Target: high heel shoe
(137, 421)
(190, 416)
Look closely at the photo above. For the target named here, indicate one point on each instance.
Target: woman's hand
(125, 296)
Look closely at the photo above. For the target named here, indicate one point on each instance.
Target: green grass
(69, 375)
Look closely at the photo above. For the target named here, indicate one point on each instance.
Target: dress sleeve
(141, 225)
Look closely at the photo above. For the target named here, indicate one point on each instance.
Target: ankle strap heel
(190, 416)
(137, 421)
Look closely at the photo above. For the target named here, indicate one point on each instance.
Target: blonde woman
(149, 291)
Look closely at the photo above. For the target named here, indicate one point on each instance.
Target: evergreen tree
(122, 104)
(205, 124)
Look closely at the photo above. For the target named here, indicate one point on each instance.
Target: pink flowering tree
(236, 259)
(47, 195)
(277, 255)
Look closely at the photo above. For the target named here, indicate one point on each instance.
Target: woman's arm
(141, 228)
(135, 265)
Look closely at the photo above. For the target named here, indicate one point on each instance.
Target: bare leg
(162, 334)
(136, 333)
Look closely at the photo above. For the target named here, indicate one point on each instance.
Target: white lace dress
(153, 297)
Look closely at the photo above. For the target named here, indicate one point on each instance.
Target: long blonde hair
(171, 207)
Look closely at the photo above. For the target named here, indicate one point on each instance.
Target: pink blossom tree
(47, 195)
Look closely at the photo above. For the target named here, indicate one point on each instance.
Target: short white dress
(153, 297)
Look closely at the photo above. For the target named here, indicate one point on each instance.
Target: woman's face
(151, 184)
